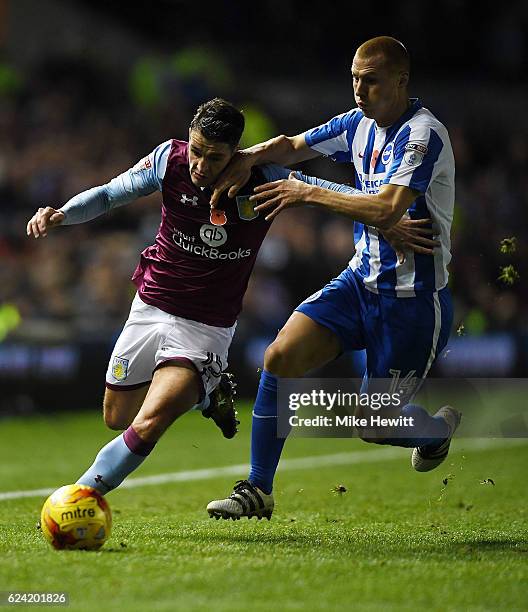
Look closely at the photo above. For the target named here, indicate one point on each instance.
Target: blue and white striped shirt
(414, 152)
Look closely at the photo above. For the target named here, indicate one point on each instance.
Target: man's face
(207, 159)
(377, 87)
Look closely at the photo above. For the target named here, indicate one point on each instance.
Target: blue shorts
(402, 336)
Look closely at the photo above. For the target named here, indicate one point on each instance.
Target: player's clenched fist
(43, 219)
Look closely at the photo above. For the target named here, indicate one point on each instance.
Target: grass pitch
(395, 540)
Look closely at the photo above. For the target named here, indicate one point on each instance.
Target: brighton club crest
(120, 368)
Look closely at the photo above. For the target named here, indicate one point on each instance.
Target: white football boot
(246, 500)
(424, 459)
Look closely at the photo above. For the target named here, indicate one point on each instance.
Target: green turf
(396, 540)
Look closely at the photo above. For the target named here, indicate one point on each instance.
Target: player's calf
(174, 390)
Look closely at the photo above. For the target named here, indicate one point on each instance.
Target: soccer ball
(76, 517)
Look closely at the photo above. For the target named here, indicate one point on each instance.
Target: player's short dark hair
(219, 121)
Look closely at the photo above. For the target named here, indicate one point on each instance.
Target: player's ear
(404, 79)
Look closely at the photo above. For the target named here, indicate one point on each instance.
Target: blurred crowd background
(87, 91)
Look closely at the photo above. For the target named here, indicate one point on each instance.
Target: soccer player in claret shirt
(172, 352)
(399, 310)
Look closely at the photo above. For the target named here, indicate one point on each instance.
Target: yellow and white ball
(76, 517)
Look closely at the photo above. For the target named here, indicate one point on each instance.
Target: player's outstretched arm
(382, 210)
(406, 235)
(83, 207)
(142, 179)
(282, 150)
(42, 220)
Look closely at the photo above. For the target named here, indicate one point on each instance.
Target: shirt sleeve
(142, 179)
(313, 180)
(273, 172)
(334, 138)
(416, 151)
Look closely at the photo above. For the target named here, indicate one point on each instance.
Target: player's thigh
(301, 345)
(326, 324)
(174, 390)
(197, 345)
(133, 358)
(122, 405)
(405, 340)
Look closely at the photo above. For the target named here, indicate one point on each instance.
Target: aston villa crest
(120, 368)
(246, 208)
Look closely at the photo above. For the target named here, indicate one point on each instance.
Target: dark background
(87, 89)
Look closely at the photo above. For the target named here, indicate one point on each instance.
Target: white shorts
(152, 337)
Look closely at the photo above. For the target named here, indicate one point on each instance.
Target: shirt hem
(186, 314)
(403, 293)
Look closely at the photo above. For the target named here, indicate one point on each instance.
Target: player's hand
(279, 195)
(411, 235)
(42, 220)
(234, 176)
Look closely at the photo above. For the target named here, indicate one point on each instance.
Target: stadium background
(87, 90)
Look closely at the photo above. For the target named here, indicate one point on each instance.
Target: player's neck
(399, 109)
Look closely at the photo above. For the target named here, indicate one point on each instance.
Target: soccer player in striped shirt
(398, 309)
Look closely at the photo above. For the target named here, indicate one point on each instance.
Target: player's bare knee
(112, 418)
(280, 360)
(150, 428)
(274, 358)
(113, 415)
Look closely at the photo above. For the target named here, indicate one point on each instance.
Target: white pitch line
(300, 463)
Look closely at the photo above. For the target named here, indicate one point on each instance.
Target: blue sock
(427, 430)
(266, 448)
(116, 461)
